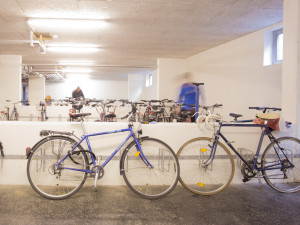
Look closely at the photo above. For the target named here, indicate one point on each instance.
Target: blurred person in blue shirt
(187, 95)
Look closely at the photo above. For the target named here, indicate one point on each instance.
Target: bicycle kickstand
(259, 178)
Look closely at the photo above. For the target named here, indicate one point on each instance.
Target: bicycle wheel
(16, 116)
(150, 182)
(49, 180)
(198, 177)
(1, 149)
(277, 171)
(3, 116)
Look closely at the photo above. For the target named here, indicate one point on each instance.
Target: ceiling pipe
(118, 66)
(17, 42)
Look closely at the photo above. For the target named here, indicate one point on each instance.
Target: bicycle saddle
(235, 115)
(198, 84)
(186, 113)
(77, 106)
(110, 115)
(77, 115)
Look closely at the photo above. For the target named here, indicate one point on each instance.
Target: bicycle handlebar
(266, 108)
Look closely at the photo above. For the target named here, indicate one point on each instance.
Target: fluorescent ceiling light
(77, 63)
(66, 24)
(77, 70)
(65, 14)
(72, 49)
(73, 75)
(76, 45)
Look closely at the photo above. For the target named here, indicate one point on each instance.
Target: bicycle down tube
(219, 134)
(86, 136)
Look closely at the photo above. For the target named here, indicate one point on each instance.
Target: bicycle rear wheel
(199, 177)
(49, 180)
(150, 182)
(1, 149)
(277, 171)
(3, 116)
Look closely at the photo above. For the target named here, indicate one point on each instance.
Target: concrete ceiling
(137, 31)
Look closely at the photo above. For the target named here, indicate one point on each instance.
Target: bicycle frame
(264, 131)
(86, 138)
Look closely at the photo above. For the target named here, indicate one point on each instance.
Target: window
(273, 46)
(277, 50)
(149, 80)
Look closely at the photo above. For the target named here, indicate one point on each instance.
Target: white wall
(291, 62)
(92, 88)
(136, 85)
(151, 92)
(234, 75)
(10, 79)
(169, 71)
(36, 90)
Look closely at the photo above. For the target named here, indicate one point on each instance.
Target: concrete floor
(238, 204)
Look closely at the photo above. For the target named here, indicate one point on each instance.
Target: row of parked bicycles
(147, 111)
(59, 164)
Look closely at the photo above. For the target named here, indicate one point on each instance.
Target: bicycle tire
(147, 182)
(3, 117)
(285, 180)
(62, 183)
(201, 179)
(16, 116)
(1, 149)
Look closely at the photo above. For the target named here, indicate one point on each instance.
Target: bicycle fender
(53, 132)
(128, 147)
(30, 150)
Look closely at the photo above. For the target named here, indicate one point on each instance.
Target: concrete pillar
(290, 65)
(36, 90)
(10, 79)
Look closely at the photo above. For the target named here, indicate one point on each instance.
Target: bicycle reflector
(28, 151)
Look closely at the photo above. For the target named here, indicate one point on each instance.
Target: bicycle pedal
(245, 179)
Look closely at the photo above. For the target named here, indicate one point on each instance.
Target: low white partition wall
(17, 135)
(61, 113)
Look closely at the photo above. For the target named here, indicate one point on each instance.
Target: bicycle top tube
(86, 136)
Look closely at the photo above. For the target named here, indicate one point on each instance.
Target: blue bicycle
(58, 165)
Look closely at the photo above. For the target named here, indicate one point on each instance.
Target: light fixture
(70, 49)
(70, 44)
(76, 63)
(76, 70)
(66, 24)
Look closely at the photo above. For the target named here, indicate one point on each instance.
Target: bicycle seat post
(197, 99)
(82, 125)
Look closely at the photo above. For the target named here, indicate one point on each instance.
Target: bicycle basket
(272, 118)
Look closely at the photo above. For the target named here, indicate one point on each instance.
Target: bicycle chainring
(100, 169)
(246, 172)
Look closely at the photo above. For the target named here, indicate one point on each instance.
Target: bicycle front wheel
(281, 165)
(3, 116)
(52, 181)
(198, 173)
(153, 172)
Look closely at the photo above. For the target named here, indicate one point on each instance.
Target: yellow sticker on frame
(137, 154)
